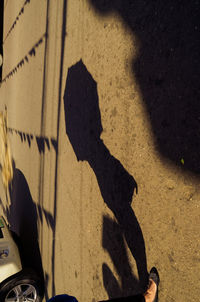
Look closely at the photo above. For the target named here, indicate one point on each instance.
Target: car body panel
(11, 264)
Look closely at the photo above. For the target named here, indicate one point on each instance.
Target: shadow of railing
(31, 53)
(18, 17)
(42, 141)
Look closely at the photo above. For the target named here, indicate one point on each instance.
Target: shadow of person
(167, 70)
(22, 217)
(83, 127)
(113, 243)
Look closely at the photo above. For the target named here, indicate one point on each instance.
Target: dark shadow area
(167, 70)
(46, 281)
(113, 243)
(22, 217)
(83, 127)
(1, 36)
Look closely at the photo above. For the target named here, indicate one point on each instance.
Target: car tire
(25, 283)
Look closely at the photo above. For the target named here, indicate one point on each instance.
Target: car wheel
(22, 287)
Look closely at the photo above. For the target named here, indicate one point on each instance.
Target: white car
(17, 284)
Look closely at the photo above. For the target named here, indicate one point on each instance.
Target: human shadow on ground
(167, 69)
(22, 217)
(113, 242)
(83, 127)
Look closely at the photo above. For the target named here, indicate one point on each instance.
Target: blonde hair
(5, 152)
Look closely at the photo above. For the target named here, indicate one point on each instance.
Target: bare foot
(150, 294)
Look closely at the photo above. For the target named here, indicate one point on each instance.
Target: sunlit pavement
(87, 247)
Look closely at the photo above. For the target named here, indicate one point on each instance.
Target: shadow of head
(82, 115)
(167, 69)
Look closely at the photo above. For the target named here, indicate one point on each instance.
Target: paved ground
(94, 114)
